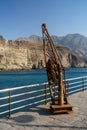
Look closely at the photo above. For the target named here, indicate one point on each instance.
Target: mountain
(31, 39)
(76, 42)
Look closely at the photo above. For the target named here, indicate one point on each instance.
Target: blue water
(21, 78)
(76, 72)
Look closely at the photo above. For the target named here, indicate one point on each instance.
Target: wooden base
(65, 108)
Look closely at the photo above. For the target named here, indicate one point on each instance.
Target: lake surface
(21, 78)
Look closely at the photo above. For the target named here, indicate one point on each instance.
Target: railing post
(67, 87)
(83, 85)
(9, 102)
(45, 88)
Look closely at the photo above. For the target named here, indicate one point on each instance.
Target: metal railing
(21, 98)
(74, 85)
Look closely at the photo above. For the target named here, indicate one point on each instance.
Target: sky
(23, 18)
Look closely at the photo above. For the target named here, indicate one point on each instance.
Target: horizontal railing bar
(85, 83)
(75, 78)
(84, 80)
(4, 112)
(16, 95)
(49, 98)
(74, 91)
(27, 99)
(4, 98)
(27, 105)
(47, 94)
(74, 87)
(56, 96)
(75, 83)
(4, 90)
(4, 105)
(28, 86)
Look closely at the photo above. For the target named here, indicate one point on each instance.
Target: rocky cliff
(20, 55)
(26, 55)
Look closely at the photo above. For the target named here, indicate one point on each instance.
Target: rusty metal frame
(54, 70)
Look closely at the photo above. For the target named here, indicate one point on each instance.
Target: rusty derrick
(54, 69)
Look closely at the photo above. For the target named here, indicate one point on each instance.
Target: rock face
(20, 55)
(70, 58)
(26, 55)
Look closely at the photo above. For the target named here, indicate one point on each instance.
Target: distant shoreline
(23, 70)
(20, 70)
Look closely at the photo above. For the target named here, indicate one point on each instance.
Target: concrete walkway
(40, 118)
